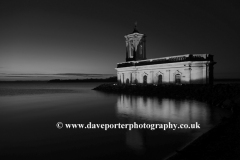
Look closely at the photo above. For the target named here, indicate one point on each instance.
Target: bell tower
(135, 45)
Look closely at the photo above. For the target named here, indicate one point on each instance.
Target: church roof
(172, 59)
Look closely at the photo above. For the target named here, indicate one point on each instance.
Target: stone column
(136, 78)
(168, 75)
(127, 49)
(190, 75)
(207, 73)
(152, 76)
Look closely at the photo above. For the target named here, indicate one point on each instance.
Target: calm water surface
(29, 113)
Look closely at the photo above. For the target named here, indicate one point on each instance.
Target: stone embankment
(217, 95)
(223, 141)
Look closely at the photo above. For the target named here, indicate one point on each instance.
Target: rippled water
(29, 113)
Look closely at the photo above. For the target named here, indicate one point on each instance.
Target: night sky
(66, 39)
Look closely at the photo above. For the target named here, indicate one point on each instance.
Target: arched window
(141, 48)
(145, 79)
(131, 49)
(131, 78)
(127, 81)
(119, 80)
(159, 79)
(178, 79)
(129, 52)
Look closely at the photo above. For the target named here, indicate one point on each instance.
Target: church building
(181, 69)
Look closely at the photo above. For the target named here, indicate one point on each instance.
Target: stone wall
(196, 72)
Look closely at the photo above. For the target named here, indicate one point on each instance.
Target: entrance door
(131, 78)
(159, 79)
(145, 79)
(127, 81)
(178, 79)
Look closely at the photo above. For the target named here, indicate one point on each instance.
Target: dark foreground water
(29, 113)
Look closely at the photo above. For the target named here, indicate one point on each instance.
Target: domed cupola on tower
(135, 45)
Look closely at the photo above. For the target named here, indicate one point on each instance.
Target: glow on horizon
(88, 37)
(46, 77)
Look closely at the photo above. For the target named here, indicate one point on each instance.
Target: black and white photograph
(120, 79)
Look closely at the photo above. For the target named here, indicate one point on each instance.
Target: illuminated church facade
(182, 69)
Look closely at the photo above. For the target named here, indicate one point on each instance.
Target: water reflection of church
(152, 109)
(185, 69)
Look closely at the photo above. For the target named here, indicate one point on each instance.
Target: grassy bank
(221, 142)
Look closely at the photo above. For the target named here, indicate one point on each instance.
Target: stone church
(181, 69)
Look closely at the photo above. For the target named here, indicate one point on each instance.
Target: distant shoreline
(110, 79)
